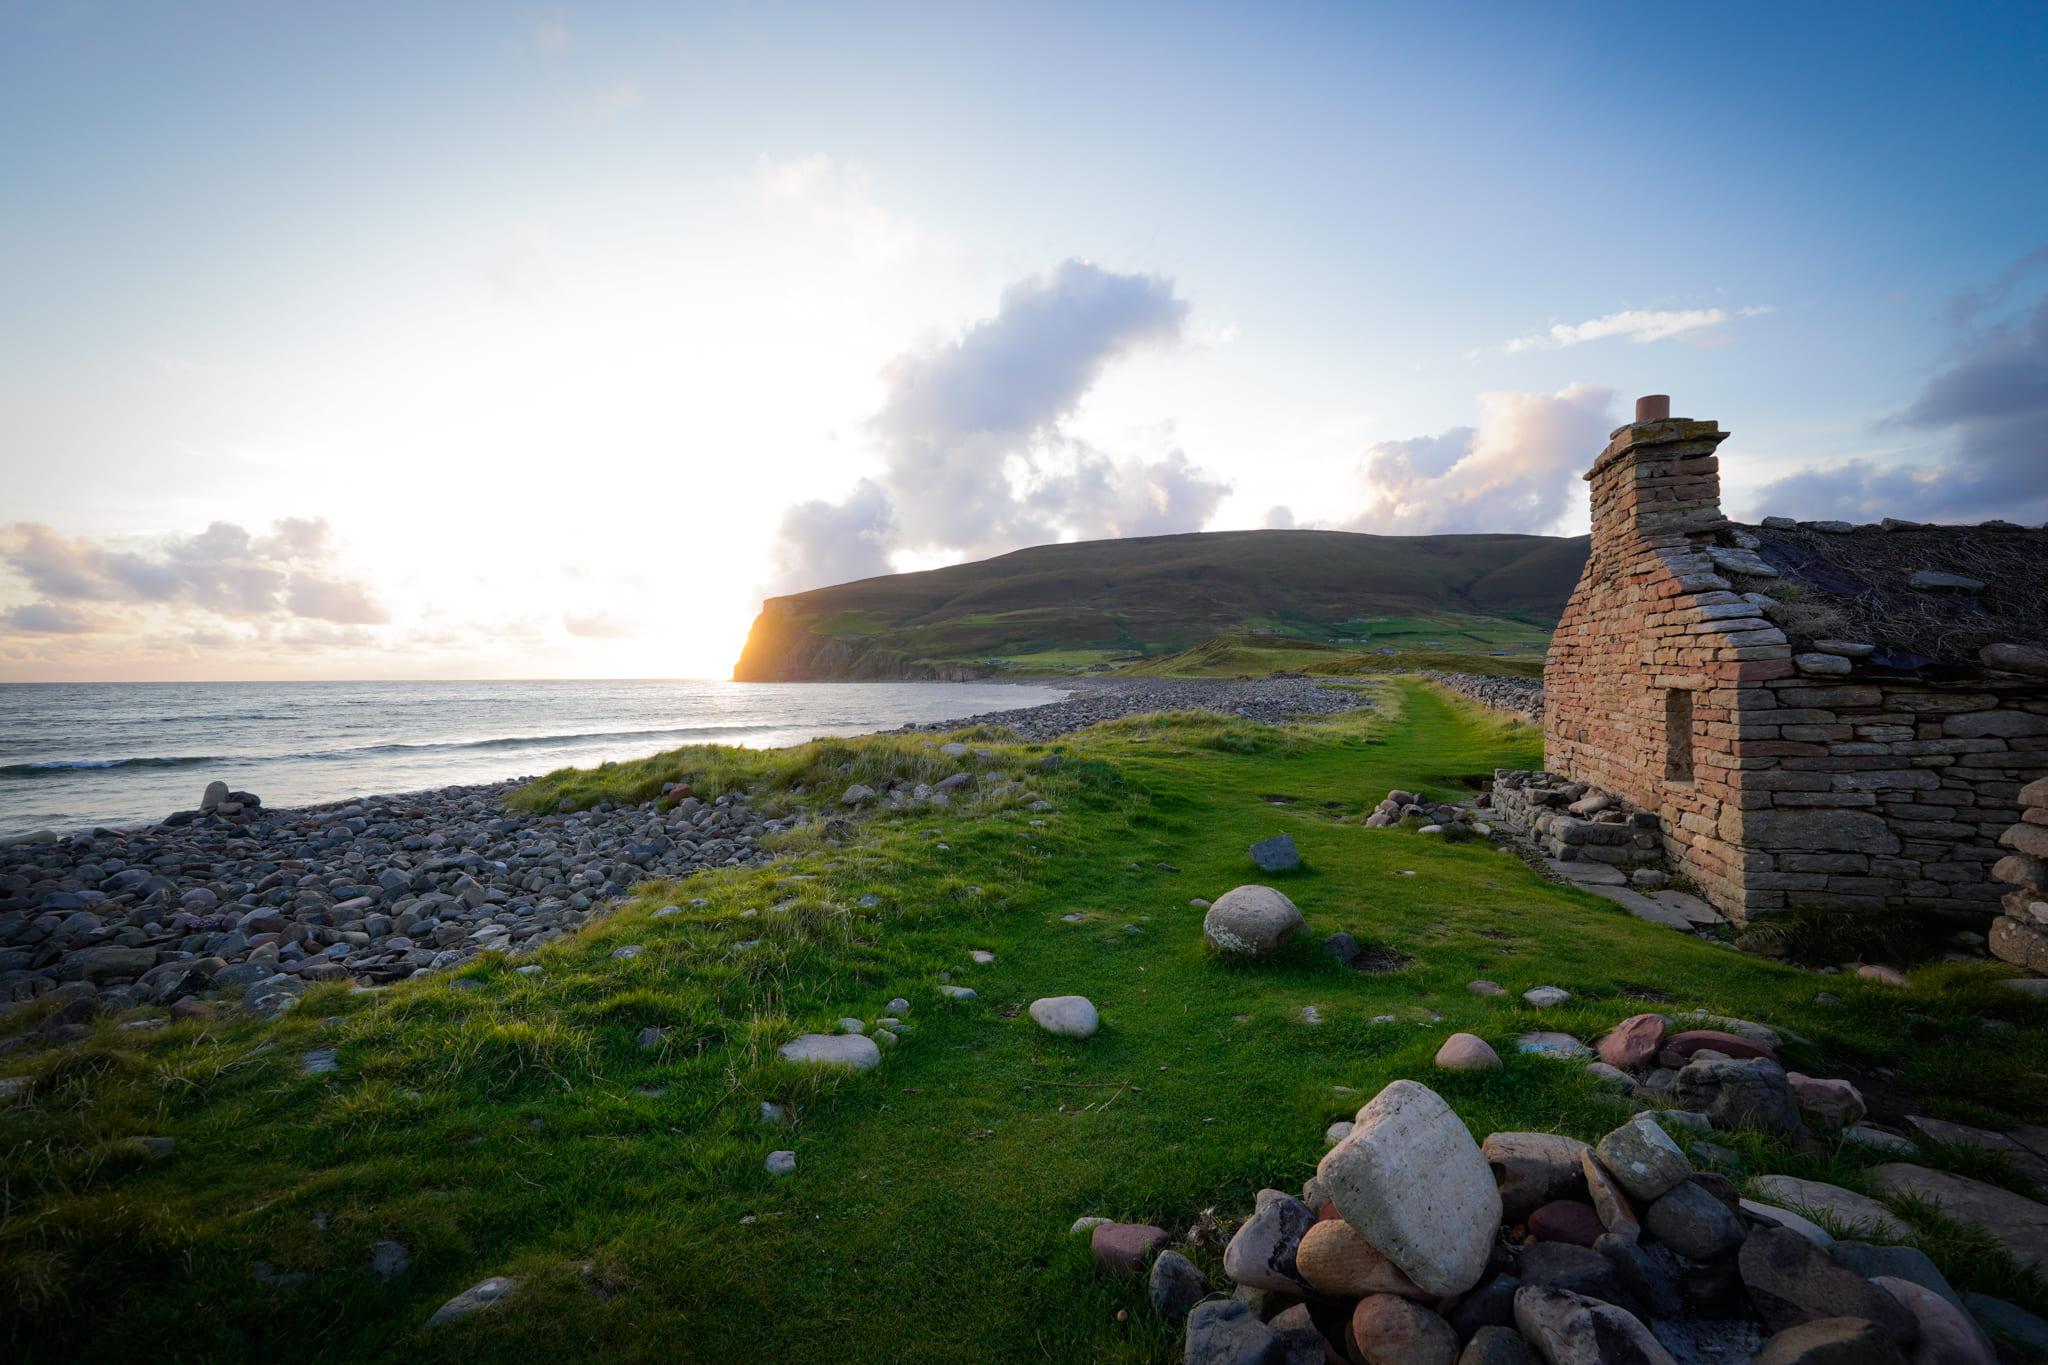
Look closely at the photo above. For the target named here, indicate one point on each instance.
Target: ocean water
(74, 755)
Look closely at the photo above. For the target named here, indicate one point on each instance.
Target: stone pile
(1267, 700)
(2020, 935)
(234, 897)
(1414, 1244)
(1405, 805)
(1518, 697)
(1572, 821)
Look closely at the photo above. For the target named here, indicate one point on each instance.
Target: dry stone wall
(2020, 935)
(1778, 791)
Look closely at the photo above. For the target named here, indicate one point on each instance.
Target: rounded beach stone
(1467, 1052)
(1693, 1223)
(1176, 1285)
(1388, 1328)
(1643, 1158)
(1543, 997)
(850, 1050)
(1790, 1280)
(481, 1295)
(1947, 1333)
(1071, 1016)
(1831, 1341)
(1262, 1254)
(1123, 1248)
(1334, 1259)
(1532, 1169)
(1827, 1103)
(1567, 1220)
(1727, 1044)
(1486, 988)
(781, 1163)
(1884, 976)
(1497, 1346)
(1633, 1043)
(1572, 1329)
(1252, 921)
(1412, 1181)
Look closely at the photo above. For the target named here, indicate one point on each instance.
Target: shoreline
(380, 888)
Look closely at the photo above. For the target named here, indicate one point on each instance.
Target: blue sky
(542, 341)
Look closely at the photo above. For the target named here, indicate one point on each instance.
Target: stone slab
(2017, 1223)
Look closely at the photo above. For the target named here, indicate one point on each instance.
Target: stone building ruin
(1821, 718)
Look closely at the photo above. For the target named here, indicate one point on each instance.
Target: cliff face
(781, 649)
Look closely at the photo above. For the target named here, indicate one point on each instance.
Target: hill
(1101, 604)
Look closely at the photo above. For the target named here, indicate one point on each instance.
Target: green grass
(514, 1128)
(1056, 609)
(1231, 656)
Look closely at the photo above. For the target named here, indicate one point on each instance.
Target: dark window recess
(1678, 735)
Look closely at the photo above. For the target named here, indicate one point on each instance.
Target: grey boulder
(1250, 921)
(1177, 1284)
(1571, 1329)
(1693, 1223)
(1643, 1158)
(1276, 854)
(1749, 1093)
(1227, 1332)
(1262, 1254)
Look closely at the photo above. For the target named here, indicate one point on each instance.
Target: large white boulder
(1414, 1184)
(1071, 1015)
(1251, 921)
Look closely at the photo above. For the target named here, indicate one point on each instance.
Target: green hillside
(1099, 605)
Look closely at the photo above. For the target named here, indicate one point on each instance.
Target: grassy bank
(1232, 656)
(506, 1123)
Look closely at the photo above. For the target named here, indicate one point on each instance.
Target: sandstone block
(1334, 1259)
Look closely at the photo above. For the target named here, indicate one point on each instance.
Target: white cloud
(840, 201)
(1517, 470)
(976, 457)
(1637, 324)
(1992, 400)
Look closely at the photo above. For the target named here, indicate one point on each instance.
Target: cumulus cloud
(1637, 324)
(223, 571)
(1517, 470)
(976, 459)
(1992, 402)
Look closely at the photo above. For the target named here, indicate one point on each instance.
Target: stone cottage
(1822, 717)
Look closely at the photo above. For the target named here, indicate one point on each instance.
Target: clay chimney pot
(1654, 407)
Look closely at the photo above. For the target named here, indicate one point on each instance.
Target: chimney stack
(1658, 481)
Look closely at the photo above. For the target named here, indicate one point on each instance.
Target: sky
(476, 340)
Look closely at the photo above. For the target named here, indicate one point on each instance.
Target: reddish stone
(1733, 1045)
(1567, 1220)
(1123, 1248)
(188, 1008)
(1634, 1042)
(1385, 1327)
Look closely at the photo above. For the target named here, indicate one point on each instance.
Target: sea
(77, 755)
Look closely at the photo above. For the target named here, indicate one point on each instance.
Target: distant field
(1236, 655)
(1098, 606)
